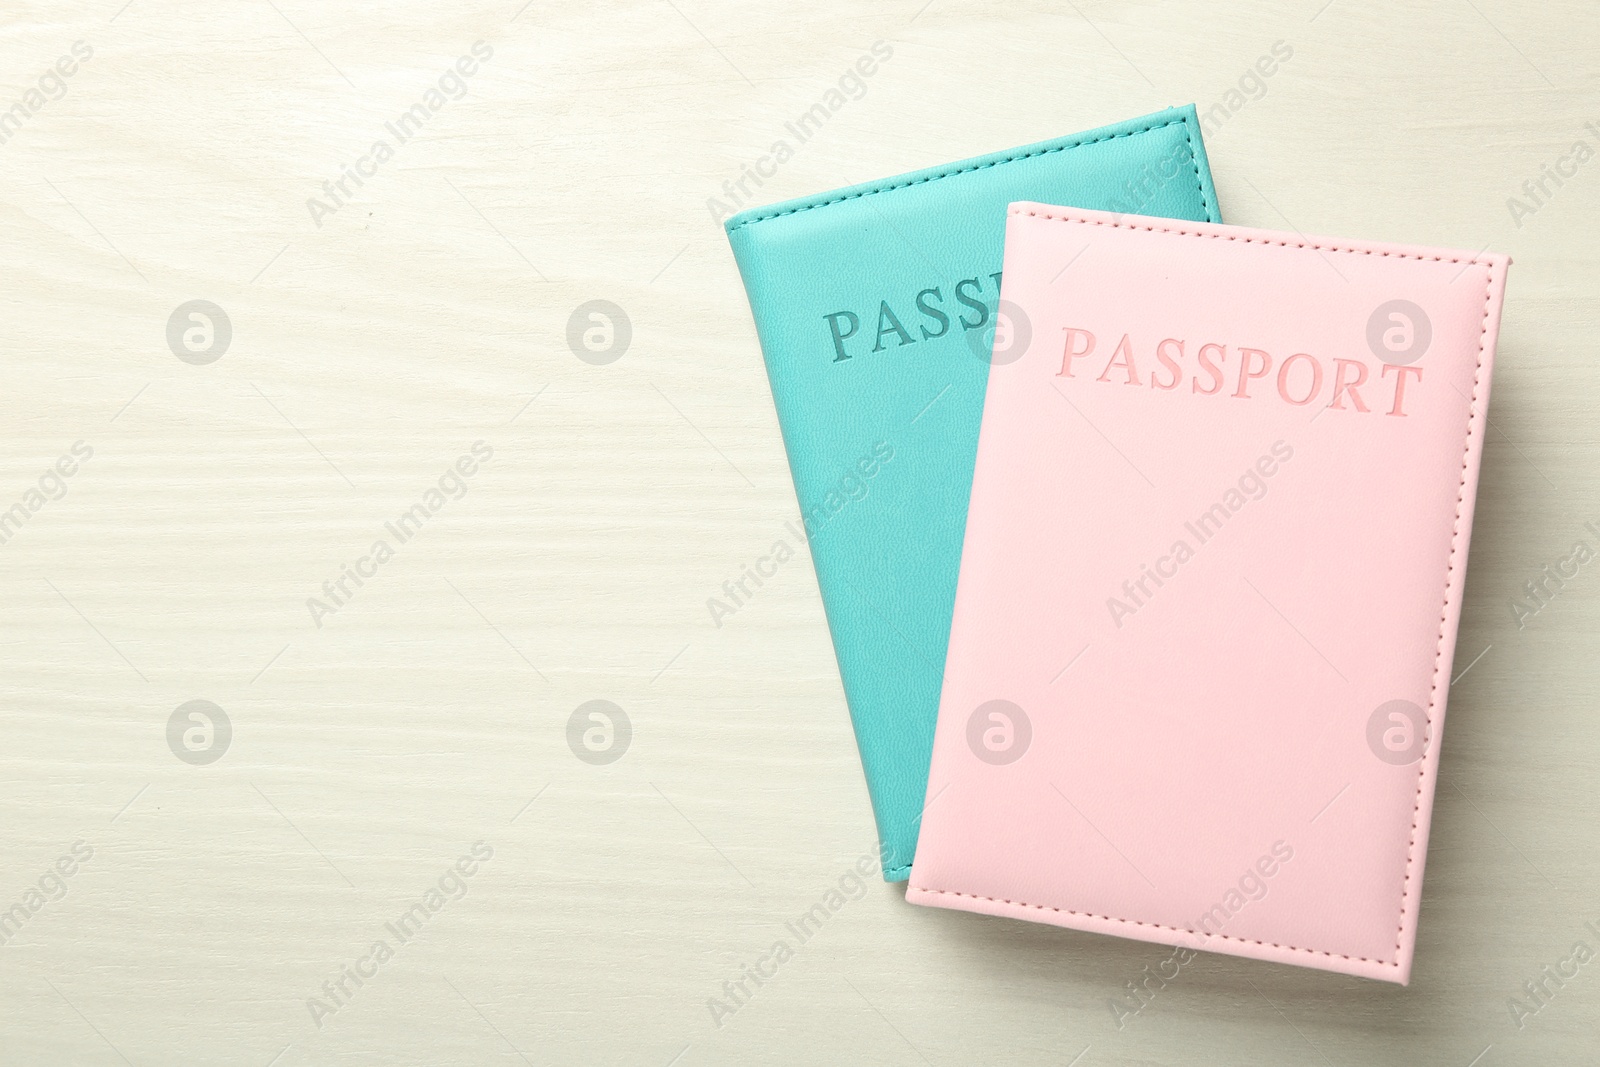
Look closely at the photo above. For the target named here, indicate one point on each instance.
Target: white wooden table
(366, 743)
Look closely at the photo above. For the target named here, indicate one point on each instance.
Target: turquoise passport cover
(876, 307)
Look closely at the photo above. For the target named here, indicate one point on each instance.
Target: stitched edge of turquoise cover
(881, 442)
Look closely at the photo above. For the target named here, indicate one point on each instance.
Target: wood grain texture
(427, 713)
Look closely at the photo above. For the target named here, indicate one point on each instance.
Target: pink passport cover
(1209, 593)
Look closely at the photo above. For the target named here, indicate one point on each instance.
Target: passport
(1211, 583)
(877, 311)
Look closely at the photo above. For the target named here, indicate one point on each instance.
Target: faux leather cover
(1212, 575)
(874, 306)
